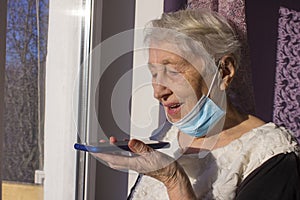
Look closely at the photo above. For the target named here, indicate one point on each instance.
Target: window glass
(26, 45)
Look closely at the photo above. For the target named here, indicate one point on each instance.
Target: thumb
(138, 146)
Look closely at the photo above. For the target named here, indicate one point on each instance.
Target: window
(57, 59)
(23, 139)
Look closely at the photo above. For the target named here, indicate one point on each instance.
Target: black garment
(277, 179)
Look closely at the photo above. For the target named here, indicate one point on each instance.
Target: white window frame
(62, 65)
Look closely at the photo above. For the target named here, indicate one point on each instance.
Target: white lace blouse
(217, 173)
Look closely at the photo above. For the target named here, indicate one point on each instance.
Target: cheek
(193, 86)
(197, 88)
(186, 91)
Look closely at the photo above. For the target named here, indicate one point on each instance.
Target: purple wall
(174, 5)
(262, 21)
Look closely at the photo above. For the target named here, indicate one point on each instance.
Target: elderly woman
(216, 151)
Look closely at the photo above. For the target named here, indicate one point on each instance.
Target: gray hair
(198, 32)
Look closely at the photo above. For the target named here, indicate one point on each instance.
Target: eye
(171, 71)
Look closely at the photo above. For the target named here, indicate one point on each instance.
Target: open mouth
(173, 109)
(175, 106)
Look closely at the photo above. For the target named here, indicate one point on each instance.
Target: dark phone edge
(114, 148)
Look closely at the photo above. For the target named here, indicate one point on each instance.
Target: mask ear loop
(214, 78)
(210, 140)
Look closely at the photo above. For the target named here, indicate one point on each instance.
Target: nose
(161, 92)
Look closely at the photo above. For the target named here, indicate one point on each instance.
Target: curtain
(287, 80)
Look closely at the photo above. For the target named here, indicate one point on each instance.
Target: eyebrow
(153, 67)
(170, 61)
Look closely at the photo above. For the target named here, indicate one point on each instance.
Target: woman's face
(176, 83)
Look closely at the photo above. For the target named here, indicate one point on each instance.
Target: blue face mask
(202, 117)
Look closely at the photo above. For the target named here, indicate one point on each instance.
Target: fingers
(139, 147)
(146, 161)
(112, 139)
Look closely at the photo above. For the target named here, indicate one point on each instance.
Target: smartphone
(116, 147)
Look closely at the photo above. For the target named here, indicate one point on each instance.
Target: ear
(227, 66)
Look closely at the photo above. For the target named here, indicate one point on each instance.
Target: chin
(173, 120)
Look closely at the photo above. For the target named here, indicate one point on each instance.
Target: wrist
(179, 187)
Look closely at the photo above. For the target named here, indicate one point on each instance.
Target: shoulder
(270, 138)
(278, 178)
(278, 175)
(248, 153)
(261, 143)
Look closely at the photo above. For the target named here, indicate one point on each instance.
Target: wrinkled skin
(145, 161)
(154, 164)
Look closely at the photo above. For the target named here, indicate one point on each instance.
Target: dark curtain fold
(174, 5)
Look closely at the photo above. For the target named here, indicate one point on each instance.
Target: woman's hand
(145, 161)
(155, 164)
